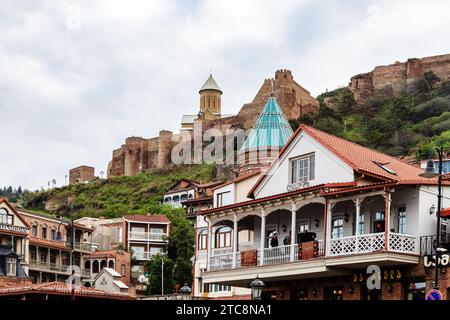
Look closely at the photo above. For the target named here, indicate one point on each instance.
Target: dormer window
(11, 267)
(385, 167)
(302, 168)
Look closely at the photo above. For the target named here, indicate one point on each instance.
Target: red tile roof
(363, 160)
(268, 198)
(61, 288)
(238, 179)
(147, 218)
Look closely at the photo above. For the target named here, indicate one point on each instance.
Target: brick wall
(397, 78)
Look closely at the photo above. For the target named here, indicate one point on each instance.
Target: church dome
(210, 84)
(271, 130)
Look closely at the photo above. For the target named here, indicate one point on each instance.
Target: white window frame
(11, 266)
(302, 169)
(333, 227)
(361, 226)
(219, 198)
(302, 223)
(402, 216)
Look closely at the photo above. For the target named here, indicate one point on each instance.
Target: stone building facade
(397, 78)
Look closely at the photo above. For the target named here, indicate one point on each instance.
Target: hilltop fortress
(397, 78)
(139, 154)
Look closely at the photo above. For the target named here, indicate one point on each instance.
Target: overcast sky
(78, 77)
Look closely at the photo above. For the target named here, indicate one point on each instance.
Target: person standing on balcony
(287, 239)
(274, 240)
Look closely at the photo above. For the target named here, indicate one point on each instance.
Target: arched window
(111, 264)
(95, 266)
(202, 240)
(183, 197)
(167, 200)
(176, 199)
(190, 195)
(223, 237)
(34, 229)
(5, 217)
(44, 231)
(53, 233)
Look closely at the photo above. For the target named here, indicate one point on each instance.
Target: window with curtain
(223, 237)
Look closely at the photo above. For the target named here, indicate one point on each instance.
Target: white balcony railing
(144, 256)
(277, 255)
(147, 236)
(79, 246)
(368, 243)
(55, 267)
(221, 251)
(357, 244)
(403, 243)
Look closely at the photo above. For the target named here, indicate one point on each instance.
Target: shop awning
(445, 212)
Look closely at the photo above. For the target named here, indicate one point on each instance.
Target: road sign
(433, 294)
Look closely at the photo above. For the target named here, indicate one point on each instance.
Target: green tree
(155, 267)
(181, 246)
(426, 82)
(345, 101)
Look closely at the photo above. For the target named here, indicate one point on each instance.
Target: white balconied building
(336, 207)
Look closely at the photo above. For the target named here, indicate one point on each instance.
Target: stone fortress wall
(397, 78)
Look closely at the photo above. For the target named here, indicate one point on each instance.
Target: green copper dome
(271, 130)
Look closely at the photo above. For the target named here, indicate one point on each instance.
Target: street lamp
(185, 292)
(68, 212)
(430, 172)
(257, 285)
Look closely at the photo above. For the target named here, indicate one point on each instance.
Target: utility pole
(162, 276)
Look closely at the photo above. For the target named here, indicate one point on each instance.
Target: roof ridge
(354, 143)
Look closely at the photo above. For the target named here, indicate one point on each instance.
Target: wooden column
(235, 239)
(209, 251)
(263, 236)
(387, 219)
(293, 230)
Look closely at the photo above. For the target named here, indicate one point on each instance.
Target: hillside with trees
(403, 126)
(139, 194)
